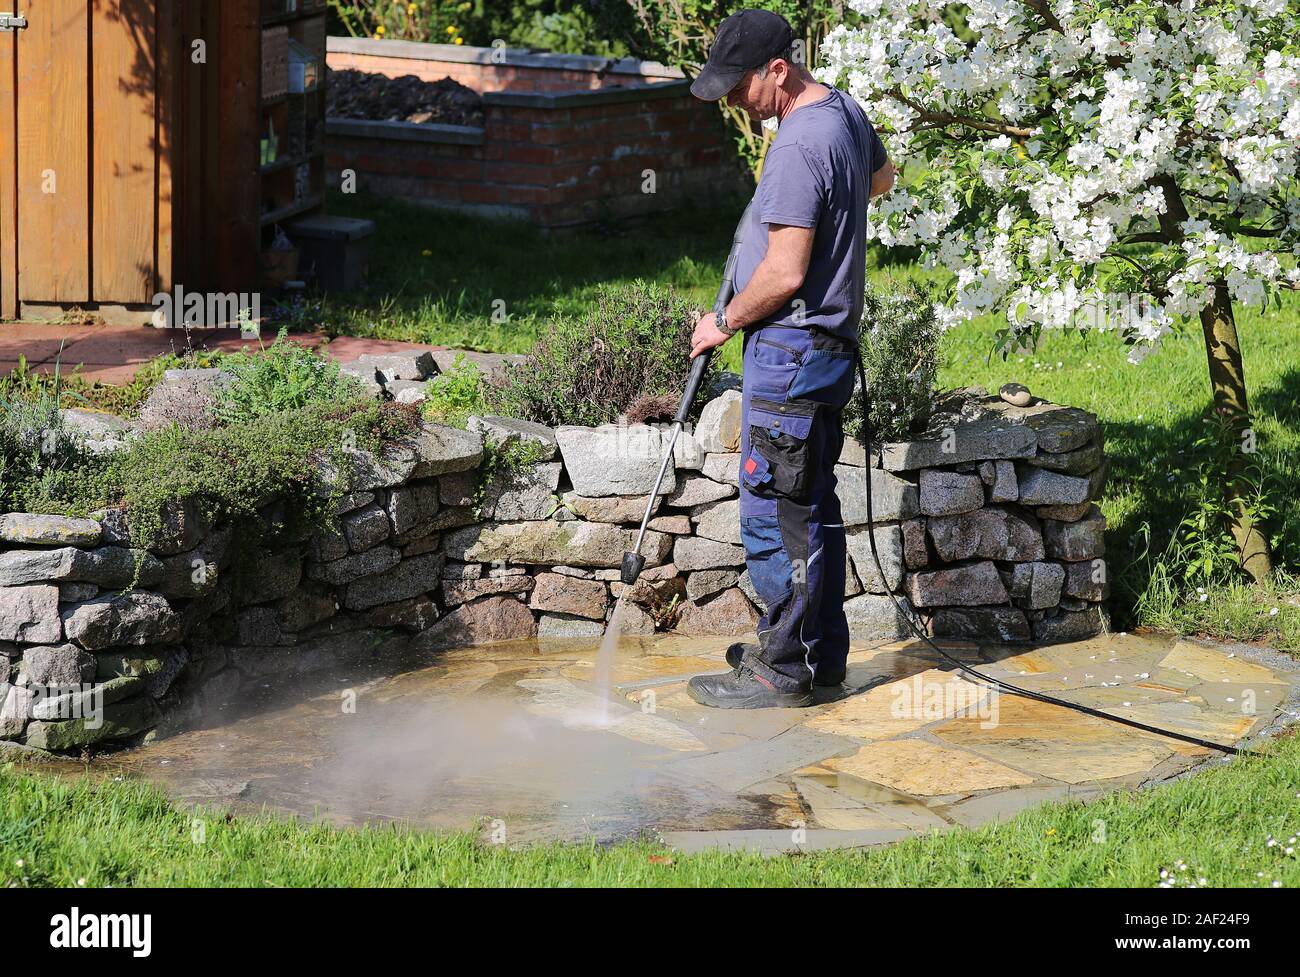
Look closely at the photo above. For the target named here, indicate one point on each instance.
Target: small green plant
(455, 394)
(36, 450)
(900, 356)
(281, 377)
(589, 370)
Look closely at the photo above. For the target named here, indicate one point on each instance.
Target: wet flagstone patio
(516, 740)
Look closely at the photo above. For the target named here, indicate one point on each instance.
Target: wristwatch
(720, 320)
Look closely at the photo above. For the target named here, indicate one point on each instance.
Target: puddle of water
(502, 744)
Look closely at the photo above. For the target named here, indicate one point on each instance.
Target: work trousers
(796, 383)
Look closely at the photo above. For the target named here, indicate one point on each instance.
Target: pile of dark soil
(365, 95)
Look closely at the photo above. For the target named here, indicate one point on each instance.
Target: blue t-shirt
(818, 174)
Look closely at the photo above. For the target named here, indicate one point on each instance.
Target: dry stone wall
(987, 529)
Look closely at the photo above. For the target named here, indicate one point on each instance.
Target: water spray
(634, 562)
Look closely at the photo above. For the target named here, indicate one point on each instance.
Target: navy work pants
(796, 383)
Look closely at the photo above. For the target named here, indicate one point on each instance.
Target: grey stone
(964, 586)
(114, 523)
(693, 490)
(278, 575)
(30, 614)
(947, 493)
(462, 591)
(408, 391)
(687, 453)
(157, 667)
(916, 553)
(107, 566)
(1071, 625)
(458, 488)
(418, 575)
(678, 525)
(492, 364)
(1059, 429)
(892, 498)
(64, 664)
(78, 702)
(706, 583)
(1097, 479)
(1087, 580)
(133, 618)
(1064, 513)
(583, 573)
(746, 585)
(1036, 585)
(729, 612)
(558, 593)
(1083, 539)
(353, 501)
(852, 586)
(696, 553)
(980, 624)
(547, 542)
(719, 426)
(329, 543)
(365, 376)
(718, 521)
(303, 608)
(992, 533)
(30, 529)
(183, 528)
(1005, 487)
(191, 574)
(609, 508)
(876, 617)
(349, 568)
(440, 449)
(496, 618)
(1077, 462)
(990, 438)
(412, 614)
(398, 366)
(366, 527)
(854, 454)
(562, 626)
(463, 571)
(526, 493)
(889, 545)
(259, 626)
(119, 721)
(614, 459)
(1041, 487)
(722, 468)
(506, 429)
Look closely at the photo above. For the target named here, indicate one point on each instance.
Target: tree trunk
(1228, 382)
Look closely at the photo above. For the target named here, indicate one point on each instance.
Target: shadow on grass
(1155, 468)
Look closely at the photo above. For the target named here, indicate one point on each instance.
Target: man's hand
(706, 335)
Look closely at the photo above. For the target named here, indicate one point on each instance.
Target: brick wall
(566, 140)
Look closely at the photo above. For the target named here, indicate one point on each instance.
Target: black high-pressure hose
(865, 437)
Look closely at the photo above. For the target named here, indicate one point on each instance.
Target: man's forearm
(768, 290)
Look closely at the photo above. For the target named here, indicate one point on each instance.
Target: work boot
(820, 677)
(741, 688)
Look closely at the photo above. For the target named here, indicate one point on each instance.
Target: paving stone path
(515, 738)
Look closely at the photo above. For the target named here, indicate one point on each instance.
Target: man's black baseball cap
(746, 40)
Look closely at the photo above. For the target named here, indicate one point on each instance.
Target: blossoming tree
(1121, 164)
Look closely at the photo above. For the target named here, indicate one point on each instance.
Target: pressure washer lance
(633, 562)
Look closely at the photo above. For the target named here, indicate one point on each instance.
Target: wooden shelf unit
(293, 184)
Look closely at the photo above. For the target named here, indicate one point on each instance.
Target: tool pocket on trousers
(780, 458)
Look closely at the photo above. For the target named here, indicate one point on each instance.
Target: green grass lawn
(435, 277)
(69, 831)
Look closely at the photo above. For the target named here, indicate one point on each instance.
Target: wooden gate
(113, 141)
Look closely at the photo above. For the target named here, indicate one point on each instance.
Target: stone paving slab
(913, 745)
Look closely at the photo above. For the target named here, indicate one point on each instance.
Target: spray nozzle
(632, 566)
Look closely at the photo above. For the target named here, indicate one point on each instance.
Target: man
(800, 276)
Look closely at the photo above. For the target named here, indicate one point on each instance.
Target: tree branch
(948, 118)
